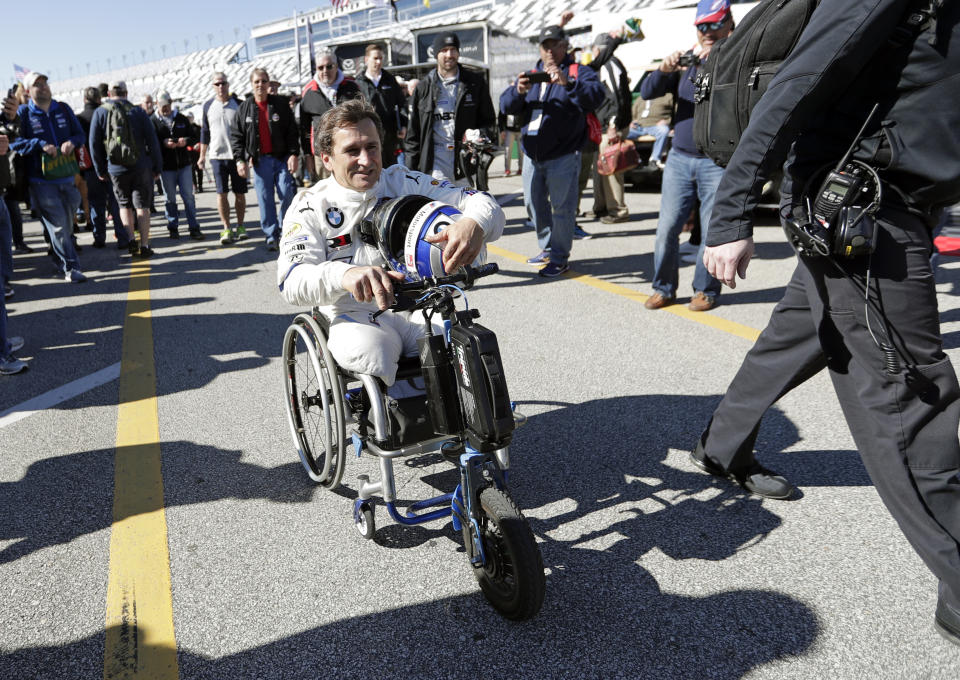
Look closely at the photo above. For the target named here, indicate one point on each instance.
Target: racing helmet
(400, 225)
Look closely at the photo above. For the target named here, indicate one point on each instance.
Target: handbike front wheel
(314, 400)
(512, 578)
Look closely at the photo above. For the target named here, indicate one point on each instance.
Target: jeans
(171, 179)
(685, 178)
(660, 133)
(551, 189)
(5, 228)
(101, 198)
(57, 204)
(271, 173)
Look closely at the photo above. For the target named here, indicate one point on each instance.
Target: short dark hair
(104, 89)
(372, 47)
(91, 95)
(348, 114)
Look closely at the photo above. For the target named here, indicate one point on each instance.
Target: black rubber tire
(512, 579)
(366, 525)
(314, 394)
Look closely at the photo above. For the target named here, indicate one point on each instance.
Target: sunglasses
(708, 26)
(219, 83)
(326, 67)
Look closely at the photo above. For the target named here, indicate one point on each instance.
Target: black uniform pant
(904, 424)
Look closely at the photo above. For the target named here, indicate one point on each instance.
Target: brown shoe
(658, 300)
(614, 219)
(702, 303)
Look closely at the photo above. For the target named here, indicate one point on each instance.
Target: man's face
(448, 58)
(221, 87)
(709, 33)
(40, 91)
(261, 86)
(553, 51)
(327, 70)
(355, 160)
(147, 104)
(375, 61)
(166, 109)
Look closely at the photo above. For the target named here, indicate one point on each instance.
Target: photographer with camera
(869, 317)
(688, 174)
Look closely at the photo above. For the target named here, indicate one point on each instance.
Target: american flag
(339, 4)
(20, 72)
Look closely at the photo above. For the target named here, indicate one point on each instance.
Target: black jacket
(10, 128)
(474, 110)
(314, 104)
(179, 157)
(245, 138)
(387, 98)
(812, 110)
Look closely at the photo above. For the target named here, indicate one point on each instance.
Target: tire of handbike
(512, 579)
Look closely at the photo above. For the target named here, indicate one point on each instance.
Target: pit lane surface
(654, 570)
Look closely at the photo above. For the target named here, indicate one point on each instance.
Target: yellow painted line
(140, 640)
(703, 318)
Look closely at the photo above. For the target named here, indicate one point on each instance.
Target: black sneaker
(174, 234)
(146, 251)
(133, 247)
(553, 270)
(756, 479)
(99, 244)
(197, 235)
(947, 621)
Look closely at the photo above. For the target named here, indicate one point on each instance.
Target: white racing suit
(321, 241)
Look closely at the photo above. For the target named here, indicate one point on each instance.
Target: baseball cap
(553, 32)
(602, 40)
(119, 85)
(163, 97)
(711, 10)
(31, 78)
(445, 39)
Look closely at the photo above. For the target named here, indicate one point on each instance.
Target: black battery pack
(441, 385)
(482, 385)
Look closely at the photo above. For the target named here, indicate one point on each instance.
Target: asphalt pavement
(653, 569)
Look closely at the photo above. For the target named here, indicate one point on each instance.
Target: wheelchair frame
(497, 539)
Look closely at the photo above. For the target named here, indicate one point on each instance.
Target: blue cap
(711, 10)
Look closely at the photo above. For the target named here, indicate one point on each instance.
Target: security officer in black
(446, 102)
(902, 56)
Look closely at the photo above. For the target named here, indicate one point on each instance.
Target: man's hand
(671, 62)
(556, 74)
(292, 163)
(50, 150)
(67, 148)
(463, 239)
(4, 145)
(366, 283)
(613, 135)
(201, 162)
(10, 106)
(242, 169)
(182, 142)
(523, 83)
(725, 262)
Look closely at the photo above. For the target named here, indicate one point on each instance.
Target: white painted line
(59, 394)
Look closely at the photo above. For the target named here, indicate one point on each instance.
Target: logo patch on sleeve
(334, 216)
(341, 241)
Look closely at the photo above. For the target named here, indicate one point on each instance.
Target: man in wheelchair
(326, 261)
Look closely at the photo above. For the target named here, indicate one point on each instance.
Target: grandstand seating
(187, 76)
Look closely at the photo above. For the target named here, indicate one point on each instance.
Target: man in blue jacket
(689, 175)
(133, 184)
(872, 319)
(50, 132)
(557, 111)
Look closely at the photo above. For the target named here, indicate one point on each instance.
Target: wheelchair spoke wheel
(512, 578)
(314, 398)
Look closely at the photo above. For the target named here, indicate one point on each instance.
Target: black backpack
(738, 71)
(119, 141)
